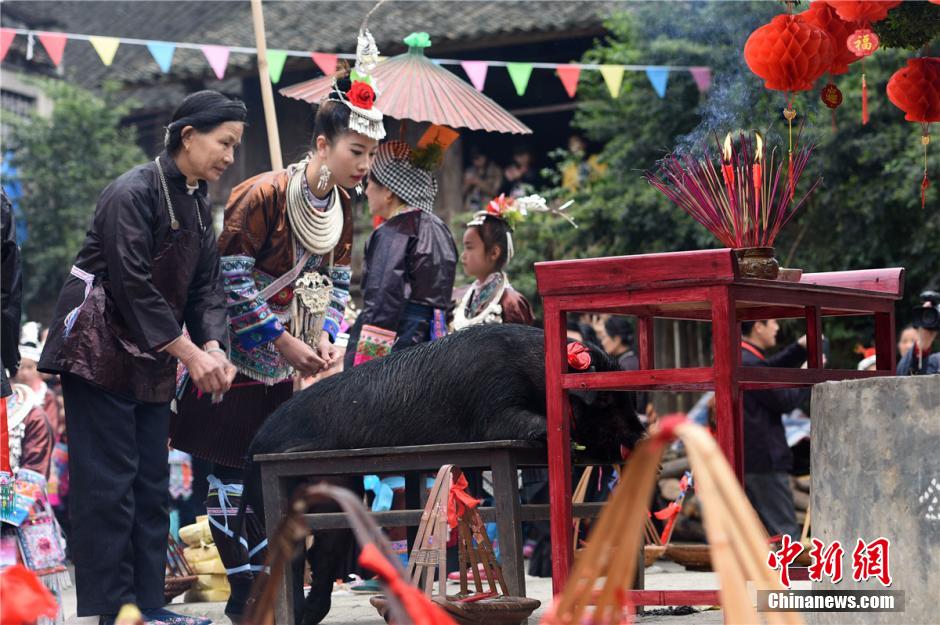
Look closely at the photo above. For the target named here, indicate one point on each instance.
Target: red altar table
(701, 286)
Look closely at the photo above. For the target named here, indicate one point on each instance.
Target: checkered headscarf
(393, 169)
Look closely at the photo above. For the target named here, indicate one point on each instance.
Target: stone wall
(876, 472)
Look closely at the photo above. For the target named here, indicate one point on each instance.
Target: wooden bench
(503, 458)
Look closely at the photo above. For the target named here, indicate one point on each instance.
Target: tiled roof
(294, 25)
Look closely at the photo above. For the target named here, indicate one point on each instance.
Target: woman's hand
(211, 373)
(328, 352)
(300, 355)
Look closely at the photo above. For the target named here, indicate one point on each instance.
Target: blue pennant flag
(659, 77)
(162, 54)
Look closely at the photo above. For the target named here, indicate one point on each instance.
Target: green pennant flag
(520, 73)
(276, 60)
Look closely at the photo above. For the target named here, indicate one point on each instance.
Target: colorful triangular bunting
(520, 73)
(162, 53)
(702, 77)
(326, 62)
(106, 47)
(613, 78)
(276, 60)
(6, 39)
(54, 43)
(659, 78)
(476, 71)
(218, 59)
(569, 78)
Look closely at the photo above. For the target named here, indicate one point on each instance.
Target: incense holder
(757, 262)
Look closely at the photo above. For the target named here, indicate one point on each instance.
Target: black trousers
(119, 499)
(772, 498)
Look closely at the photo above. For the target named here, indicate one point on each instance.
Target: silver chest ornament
(312, 293)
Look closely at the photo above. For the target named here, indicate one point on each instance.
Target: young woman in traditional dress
(286, 246)
(410, 259)
(149, 263)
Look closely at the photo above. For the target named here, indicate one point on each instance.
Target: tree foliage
(63, 162)
(865, 214)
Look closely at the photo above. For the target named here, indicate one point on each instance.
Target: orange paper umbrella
(412, 87)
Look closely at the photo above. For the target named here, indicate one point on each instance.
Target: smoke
(737, 99)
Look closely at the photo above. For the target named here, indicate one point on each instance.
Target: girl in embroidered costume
(285, 249)
(410, 260)
(487, 249)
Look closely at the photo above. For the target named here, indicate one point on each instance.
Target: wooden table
(700, 286)
(279, 472)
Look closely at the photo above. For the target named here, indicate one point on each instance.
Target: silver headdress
(364, 118)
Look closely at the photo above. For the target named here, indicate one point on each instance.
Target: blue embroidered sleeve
(250, 318)
(341, 276)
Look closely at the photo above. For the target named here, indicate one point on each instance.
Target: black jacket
(129, 237)
(11, 297)
(410, 258)
(765, 441)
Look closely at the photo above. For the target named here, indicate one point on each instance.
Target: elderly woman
(149, 264)
(410, 260)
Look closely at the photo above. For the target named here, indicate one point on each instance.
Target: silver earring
(359, 188)
(325, 174)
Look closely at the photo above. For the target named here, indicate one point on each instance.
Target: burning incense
(745, 205)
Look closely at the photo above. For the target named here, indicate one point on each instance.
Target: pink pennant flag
(6, 39)
(569, 78)
(476, 70)
(54, 43)
(218, 59)
(326, 62)
(702, 76)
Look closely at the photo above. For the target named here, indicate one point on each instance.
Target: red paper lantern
(915, 89)
(862, 10)
(824, 16)
(789, 53)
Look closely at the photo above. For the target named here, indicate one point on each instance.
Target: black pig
(483, 383)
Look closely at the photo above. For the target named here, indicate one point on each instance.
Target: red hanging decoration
(915, 89)
(832, 98)
(824, 16)
(864, 100)
(862, 10)
(862, 42)
(789, 53)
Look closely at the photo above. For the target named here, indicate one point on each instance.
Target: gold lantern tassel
(789, 114)
(925, 140)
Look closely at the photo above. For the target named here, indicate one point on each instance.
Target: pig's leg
(327, 556)
(516, 424)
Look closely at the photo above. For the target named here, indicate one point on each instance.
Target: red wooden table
(700, 286)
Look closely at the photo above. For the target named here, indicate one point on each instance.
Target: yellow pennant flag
(106, 47)
(613, 76)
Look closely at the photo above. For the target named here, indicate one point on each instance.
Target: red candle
(727, 169)
(758, 171)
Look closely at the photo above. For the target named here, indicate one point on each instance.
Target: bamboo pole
(267, 93)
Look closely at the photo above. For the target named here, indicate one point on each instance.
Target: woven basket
(693, 556)
(175, 586)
